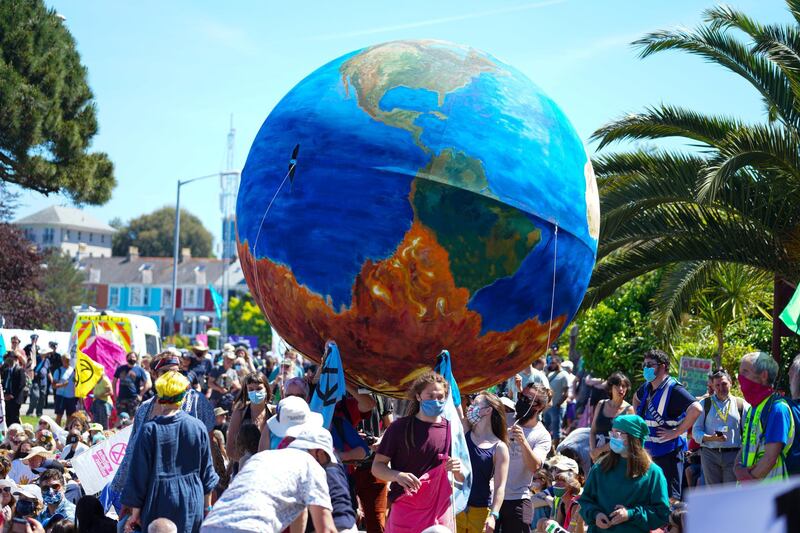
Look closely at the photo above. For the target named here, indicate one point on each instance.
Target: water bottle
(551, 526)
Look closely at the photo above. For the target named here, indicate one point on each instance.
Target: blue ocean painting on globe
(437, 194)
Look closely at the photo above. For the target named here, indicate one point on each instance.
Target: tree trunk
(720, 348)
(781, 294)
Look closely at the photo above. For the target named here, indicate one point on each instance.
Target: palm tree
(732, 197)
(733, 292)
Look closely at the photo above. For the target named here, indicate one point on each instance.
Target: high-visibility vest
(753, 439)
(654, 412)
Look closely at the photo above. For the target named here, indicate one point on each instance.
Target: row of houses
(134, 284)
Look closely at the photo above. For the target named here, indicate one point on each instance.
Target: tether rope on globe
(553, 295)
(292, 165)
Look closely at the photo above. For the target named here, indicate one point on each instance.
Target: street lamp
(177, 249)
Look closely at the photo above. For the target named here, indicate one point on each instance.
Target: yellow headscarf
(171, 387)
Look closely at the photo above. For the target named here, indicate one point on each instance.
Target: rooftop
(156, 270)
(61, 216)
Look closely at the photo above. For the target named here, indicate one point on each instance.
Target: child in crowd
(567, 514)
(676, 519)
(542, 500)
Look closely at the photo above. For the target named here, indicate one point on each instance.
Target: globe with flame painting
(437, 199)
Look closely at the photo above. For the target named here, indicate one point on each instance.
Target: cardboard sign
(96, 466)
(694, 374)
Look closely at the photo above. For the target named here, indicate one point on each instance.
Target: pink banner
(107, 353)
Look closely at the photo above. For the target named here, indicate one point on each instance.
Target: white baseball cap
(312, 437)
(508, 403)
(292, 411)
(29, 491)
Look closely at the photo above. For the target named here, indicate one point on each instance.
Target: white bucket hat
(292, 411)
(312, 437)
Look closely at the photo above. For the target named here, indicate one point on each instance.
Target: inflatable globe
(438, 199)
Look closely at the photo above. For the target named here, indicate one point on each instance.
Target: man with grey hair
(768, 427)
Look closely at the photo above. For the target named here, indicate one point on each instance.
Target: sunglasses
(650, 365)
(7, 490)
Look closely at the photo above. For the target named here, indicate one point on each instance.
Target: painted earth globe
(416, 196)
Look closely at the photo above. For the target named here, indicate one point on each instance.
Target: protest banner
(96, 466)
(694, 374)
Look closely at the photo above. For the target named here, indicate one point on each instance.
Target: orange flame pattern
(405, 310)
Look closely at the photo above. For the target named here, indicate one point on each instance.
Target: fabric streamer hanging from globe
(427, 182)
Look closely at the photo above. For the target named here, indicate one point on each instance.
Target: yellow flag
(87, 374)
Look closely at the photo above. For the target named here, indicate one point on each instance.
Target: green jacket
(644, 497)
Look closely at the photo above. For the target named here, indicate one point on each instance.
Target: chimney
(186, 253)
(133, 252)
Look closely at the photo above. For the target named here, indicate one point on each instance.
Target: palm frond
(667, 121)
(768, 147)
(794, 9)
(719, 47)
(678, 287)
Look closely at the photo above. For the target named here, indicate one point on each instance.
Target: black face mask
(526, 408)
(132, 362)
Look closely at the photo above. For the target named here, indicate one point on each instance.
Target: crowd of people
(228, 442)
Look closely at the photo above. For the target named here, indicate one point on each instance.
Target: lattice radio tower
(229, 189)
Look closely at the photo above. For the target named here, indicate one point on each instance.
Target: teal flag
(217, 299)
(331, 386)
(458, 440)
(791, 314)
(2, 345)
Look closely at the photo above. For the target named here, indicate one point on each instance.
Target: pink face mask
(753, 392)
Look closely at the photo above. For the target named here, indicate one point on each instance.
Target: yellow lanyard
(723, 414)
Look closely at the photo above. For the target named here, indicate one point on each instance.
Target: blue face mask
(617, 445)
(649, 374)
(431, 407)
(257, 396)
(52, 497)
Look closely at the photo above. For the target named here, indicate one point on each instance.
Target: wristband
(495, 515)
(208, 509)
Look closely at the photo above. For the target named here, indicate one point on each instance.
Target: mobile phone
(718, 433)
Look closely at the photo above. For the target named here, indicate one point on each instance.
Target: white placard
(96, 466)
(748, 508)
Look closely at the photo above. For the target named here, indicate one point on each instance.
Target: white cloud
(443, 20)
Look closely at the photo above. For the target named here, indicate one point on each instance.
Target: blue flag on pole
(331, 386)
(458, 446)
(217, 299)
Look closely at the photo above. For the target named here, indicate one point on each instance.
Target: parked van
(135, 333)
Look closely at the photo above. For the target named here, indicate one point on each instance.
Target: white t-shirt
(272, 489)
(21, 473)
(519, 477)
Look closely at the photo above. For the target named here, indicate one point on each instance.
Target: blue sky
(168, 75)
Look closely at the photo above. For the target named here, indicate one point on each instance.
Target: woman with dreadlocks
(414, 456)
(174, 475)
